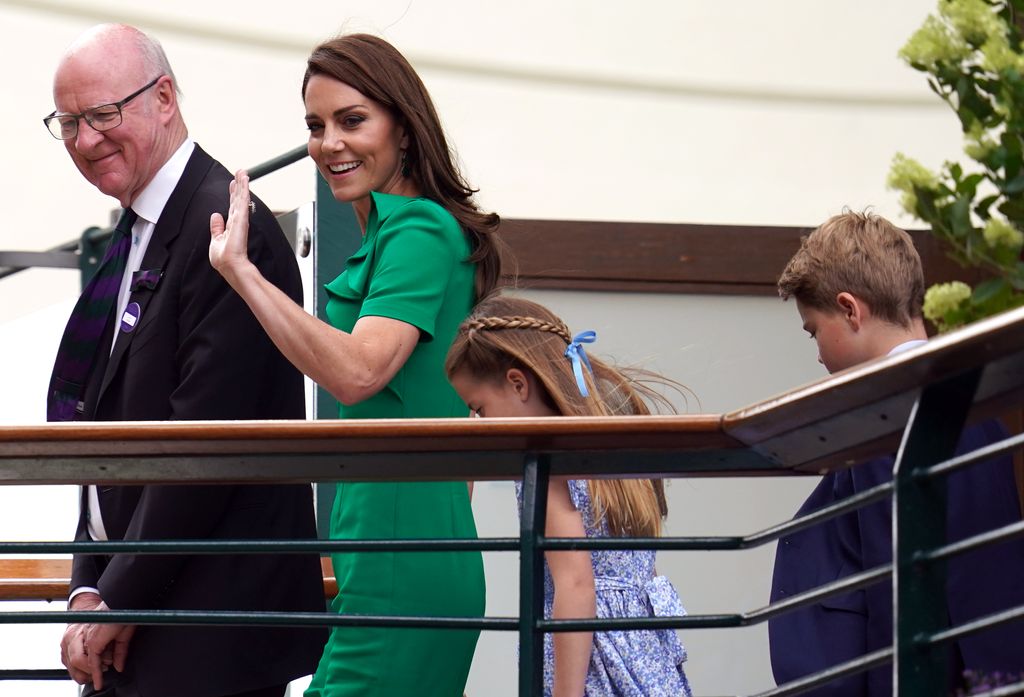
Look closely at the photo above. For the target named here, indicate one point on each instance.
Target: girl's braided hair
(506, 332)
(485, 323)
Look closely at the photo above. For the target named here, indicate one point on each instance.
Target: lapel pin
(146, 279)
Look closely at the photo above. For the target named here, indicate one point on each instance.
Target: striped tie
(87, 325)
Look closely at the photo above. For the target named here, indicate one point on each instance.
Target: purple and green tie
(87, 326)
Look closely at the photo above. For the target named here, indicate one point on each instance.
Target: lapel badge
(130, 318)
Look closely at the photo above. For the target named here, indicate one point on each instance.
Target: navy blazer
(197, 352)
(840, 628)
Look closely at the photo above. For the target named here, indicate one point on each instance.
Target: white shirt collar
(906, 346)
(150, 202)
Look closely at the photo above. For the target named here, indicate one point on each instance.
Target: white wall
(655, 110)
(718, 347)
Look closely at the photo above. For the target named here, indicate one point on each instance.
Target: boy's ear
(852, 309)
(519, 383)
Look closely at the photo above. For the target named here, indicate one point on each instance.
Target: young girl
(513, 357)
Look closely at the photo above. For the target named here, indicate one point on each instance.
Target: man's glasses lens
(101, 118)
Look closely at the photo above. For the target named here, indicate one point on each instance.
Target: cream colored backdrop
(697, 111)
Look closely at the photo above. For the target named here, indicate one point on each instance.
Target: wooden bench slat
(48, 579)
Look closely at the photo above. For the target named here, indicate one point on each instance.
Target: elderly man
(158, 335)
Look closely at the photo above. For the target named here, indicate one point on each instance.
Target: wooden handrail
(857, 413)
(824, 425)
(48, 579)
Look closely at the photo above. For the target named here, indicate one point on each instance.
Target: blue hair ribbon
(578, 357)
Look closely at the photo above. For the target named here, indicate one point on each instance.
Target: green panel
(92, 245)
(919, 522)
(532, 525)
(337, 236)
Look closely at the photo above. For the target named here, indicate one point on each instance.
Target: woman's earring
(405, 163)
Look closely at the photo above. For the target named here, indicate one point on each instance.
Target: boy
(859, 288)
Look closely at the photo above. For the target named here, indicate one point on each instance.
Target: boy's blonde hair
(505, 332)
(862, 254)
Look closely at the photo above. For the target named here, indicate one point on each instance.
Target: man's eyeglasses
(101, 118)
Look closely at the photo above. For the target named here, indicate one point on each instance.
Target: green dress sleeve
(419, 246)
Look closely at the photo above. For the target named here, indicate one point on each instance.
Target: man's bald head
(106, 65)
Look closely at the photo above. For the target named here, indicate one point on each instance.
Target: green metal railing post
(92, 245)
(536, 470)
(919, 523)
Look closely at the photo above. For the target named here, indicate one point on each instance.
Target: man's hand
(72, 644)
(106, 645)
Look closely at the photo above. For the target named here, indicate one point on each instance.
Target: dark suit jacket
(837, 629)
(197, 352)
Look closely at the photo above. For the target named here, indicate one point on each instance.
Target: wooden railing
(829, 424)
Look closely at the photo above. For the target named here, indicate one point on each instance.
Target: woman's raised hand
(229, 240)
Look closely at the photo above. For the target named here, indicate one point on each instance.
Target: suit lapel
(167, 229)
(155, 258)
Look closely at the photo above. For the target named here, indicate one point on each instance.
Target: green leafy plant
(971, 52)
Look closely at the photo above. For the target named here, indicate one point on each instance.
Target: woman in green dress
(428, 253)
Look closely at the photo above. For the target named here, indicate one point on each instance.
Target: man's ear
(854, 311)
(519, 383)
(167, 98)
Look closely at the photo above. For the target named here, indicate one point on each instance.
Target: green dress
(412, 267)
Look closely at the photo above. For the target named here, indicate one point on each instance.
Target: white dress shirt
(148, 205)
(906, 346)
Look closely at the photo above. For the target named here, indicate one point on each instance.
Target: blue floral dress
(639, 663)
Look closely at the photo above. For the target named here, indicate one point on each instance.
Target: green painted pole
(531, 575)
(919, 524)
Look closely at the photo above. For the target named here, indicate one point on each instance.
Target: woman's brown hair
(375, 68)
(505, 332)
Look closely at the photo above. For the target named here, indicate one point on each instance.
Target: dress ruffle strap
(663, 598)
(664, 601)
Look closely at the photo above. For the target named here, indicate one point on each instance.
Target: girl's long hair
(505, 332)
(375, 68)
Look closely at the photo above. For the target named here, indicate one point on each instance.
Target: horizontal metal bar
(609, 624)
(1007, 532)
(495, 544)
(702, 544)
(66, 247)
(492, 544)
(1004, 446)
(973, 627)
(443, 544)
(38, 674)
(279, 162)
(305, 619)
(46, 260)
(843, 585)
(809, 682)
(256, 619)
(725, 543)
(15, 262)
(876, 493)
